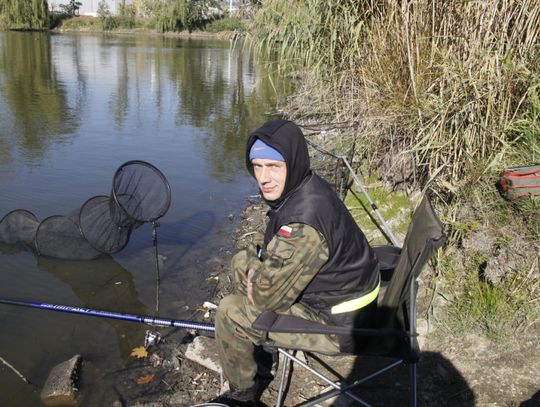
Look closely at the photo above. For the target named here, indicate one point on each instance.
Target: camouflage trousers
(236, 340)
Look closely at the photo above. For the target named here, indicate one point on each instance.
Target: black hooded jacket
(352, 268)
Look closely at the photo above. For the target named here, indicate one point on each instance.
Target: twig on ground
(246, 235)
(14, 370)
(167, 384)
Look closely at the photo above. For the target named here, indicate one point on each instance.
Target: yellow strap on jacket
(357, 303)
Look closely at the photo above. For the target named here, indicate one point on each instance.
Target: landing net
(102, 225)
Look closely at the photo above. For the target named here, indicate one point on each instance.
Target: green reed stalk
(439, 82)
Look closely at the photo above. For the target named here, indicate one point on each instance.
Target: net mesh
(98, 225)
(325, 150)
(141, 192)
(102, 225)
(60, 236)
(18, 226)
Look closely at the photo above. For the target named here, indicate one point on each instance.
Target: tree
(128, 15)
(176, 15)
(72, 7)
(105, 16)
(25, 14)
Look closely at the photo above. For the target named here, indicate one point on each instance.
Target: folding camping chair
(395, 335)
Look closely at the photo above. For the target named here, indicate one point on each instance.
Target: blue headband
(260, 149)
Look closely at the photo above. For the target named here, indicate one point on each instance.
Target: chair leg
(282, 383)
(292, 358)
(413, 384)
(335, 392)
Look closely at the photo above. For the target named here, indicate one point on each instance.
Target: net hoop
(117, 236)
(118, 194)
(21, 234)
(103, 224)
(68, 234)
(19, 210)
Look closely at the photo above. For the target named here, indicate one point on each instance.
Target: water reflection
(179, 243)
(102, 284)
(210, 85)
(27, 73)
(177, 239)
(73, 108)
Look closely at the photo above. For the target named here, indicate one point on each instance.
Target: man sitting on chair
(314, 262)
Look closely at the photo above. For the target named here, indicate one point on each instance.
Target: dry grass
(438, 85)
(429, 92)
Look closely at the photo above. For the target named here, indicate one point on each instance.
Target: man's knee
(229, 305)
(231, 310)
(234, 313)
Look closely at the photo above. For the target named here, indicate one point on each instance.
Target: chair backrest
(424, 236)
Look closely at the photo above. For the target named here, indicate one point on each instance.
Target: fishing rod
(144, 319)
(386, 229)
(384, 225)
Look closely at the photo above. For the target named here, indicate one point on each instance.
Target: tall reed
(441, 84)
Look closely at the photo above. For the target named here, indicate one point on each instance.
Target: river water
(73, 108)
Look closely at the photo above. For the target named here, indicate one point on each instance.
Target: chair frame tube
(412, 338)
(337, 388)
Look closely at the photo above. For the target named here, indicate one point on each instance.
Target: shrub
(108, 22)
(226, 24)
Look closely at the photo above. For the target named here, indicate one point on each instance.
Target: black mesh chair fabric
(395, 333)
(397, 307)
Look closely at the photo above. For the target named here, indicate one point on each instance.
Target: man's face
(271, 176)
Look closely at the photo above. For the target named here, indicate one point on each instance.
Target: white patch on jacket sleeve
(285, 231)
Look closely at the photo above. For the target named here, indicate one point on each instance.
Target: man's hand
(250, 286)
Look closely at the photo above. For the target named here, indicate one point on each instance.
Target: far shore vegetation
(160, 16)
(423, 94)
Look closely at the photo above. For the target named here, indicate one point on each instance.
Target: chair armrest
(270, 321)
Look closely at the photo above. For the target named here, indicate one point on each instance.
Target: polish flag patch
(285, 231)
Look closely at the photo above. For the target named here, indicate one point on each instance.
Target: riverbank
(227, 28)
(479, 340)
(456, 369)
(461, 365)
(222, 35)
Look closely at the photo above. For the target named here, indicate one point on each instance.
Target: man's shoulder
(298, 231)
(296, 238)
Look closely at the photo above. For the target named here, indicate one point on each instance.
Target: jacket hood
(287, 138)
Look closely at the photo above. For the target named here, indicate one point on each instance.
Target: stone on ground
(60, 389)
(203, 351)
